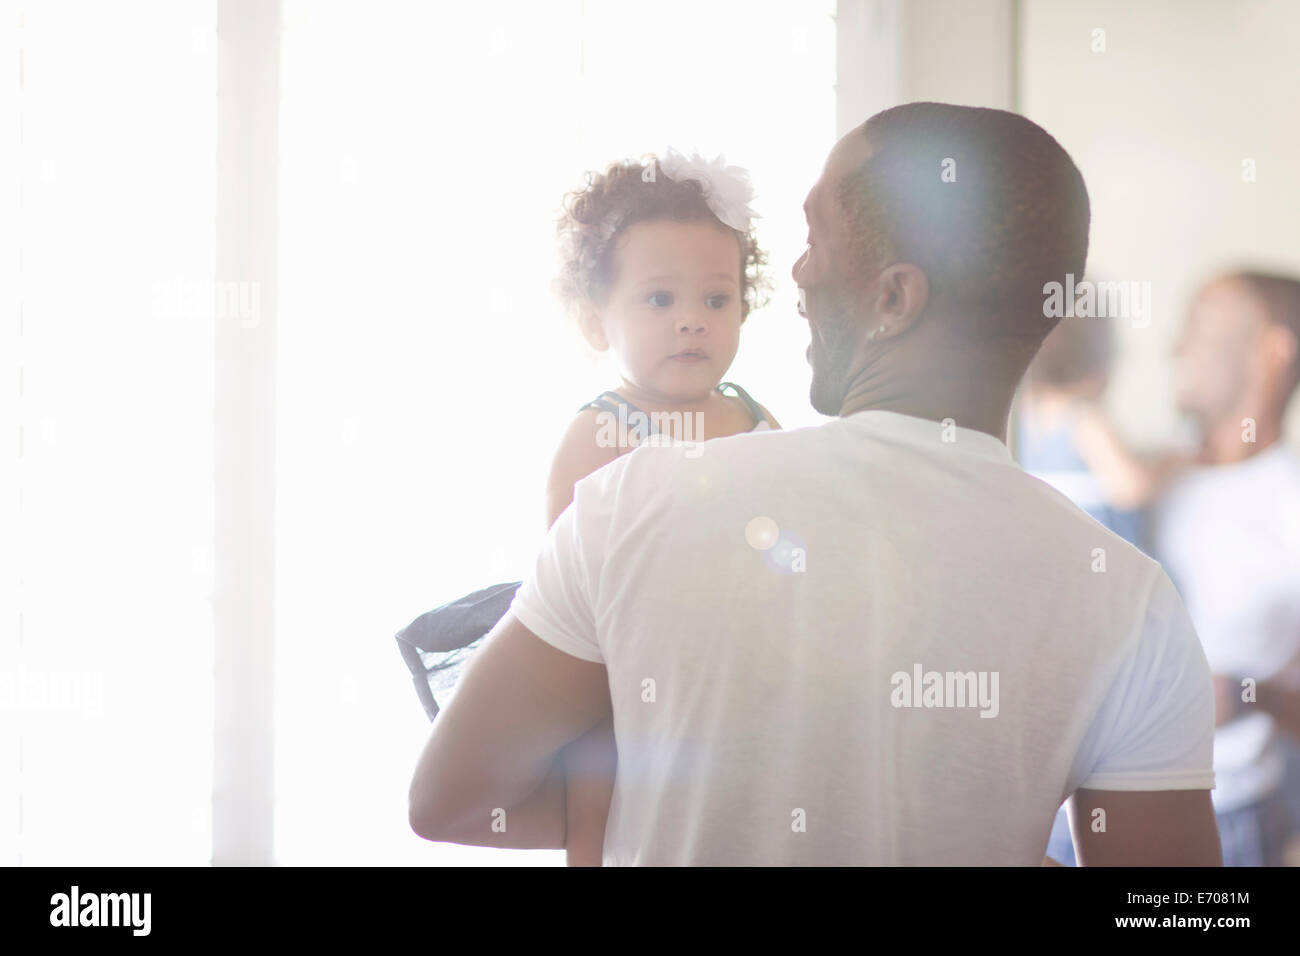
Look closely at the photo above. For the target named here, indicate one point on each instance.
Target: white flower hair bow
(727, 189)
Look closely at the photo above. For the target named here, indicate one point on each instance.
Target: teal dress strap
(611, 401)
(755, 411)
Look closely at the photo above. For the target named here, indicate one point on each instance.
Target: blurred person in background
(1228, 533)
(1225, 523)
(1065, 438)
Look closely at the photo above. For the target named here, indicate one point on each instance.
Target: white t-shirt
(764, 602)
(1230, 538)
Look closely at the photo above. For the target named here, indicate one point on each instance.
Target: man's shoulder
(1052, 509)
(652, 476)
(662, 455)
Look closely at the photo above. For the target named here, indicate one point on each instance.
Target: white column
(248, 59)
(899, 51)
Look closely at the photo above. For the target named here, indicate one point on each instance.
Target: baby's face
(673, 313)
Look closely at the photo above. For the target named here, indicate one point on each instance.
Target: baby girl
(660, 269)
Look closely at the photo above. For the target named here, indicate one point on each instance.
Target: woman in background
(1065, 437)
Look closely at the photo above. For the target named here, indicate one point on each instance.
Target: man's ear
(593, 329)
(900, 295)
(1279, 345)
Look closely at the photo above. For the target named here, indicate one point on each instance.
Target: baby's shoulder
(741, 399)
(580, 452)
(586, 442)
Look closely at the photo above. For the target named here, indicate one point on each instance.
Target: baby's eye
(660, 300)
(718, 301)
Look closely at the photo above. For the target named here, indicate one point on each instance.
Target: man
(1229, 532)
(876, 641)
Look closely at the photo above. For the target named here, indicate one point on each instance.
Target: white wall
(1159, 124)
(900, 51)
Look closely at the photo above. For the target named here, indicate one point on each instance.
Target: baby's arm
(579, 454)
(589, 766)
(1128, 480)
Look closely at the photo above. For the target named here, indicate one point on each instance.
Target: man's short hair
(988, 204)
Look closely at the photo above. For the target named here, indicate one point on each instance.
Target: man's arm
(1150, 753)
(538, 822)
(1144, 828)
(518, 703)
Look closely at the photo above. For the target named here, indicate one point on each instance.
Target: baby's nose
(693, 323)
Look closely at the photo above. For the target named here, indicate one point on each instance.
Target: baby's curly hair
(596, 215)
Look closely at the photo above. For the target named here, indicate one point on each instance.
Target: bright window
(107, 186)
(425, 373)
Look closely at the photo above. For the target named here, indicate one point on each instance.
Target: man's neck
(1225, 441)
(974, 394)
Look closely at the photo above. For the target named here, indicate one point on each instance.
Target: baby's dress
(436, 644)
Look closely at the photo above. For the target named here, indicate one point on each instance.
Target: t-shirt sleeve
(1155, 727)
(557, 600)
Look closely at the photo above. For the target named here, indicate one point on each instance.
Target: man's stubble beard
(832, 353)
